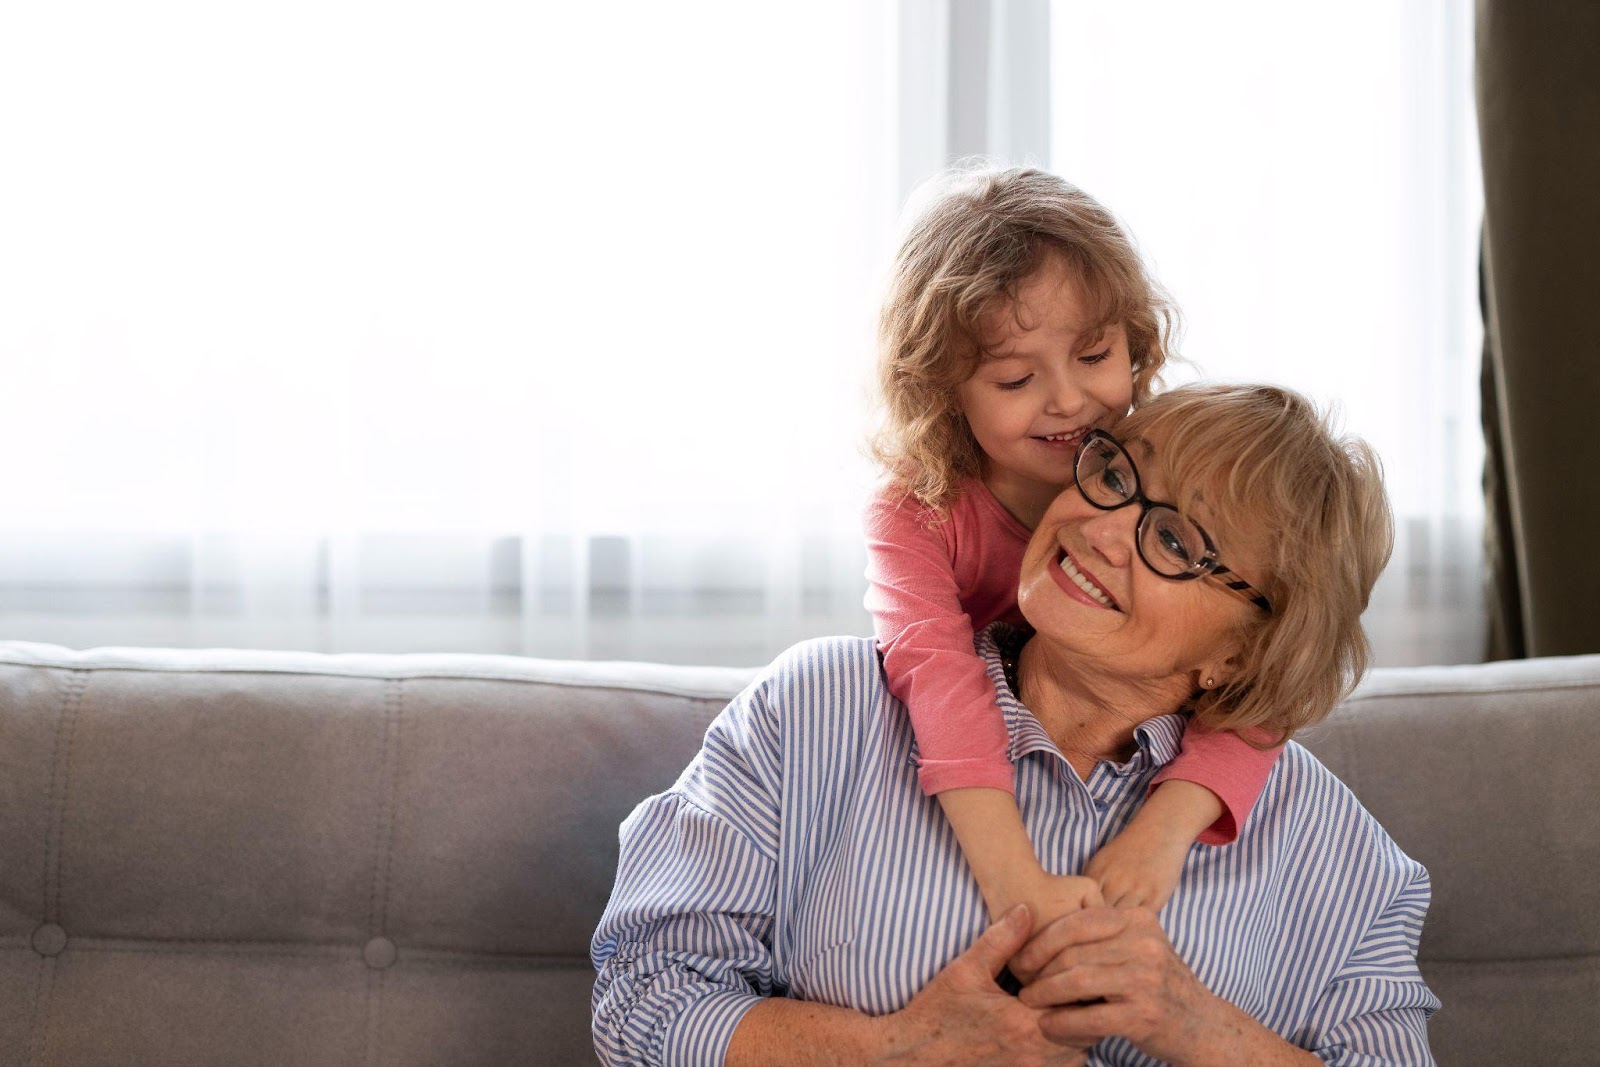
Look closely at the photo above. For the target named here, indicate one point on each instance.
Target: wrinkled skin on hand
(963, 1019)
(1112, 971)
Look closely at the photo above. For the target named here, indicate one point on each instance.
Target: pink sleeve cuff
(938, 776)
(1230, 767)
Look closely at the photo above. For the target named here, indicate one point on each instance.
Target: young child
(1019, 317)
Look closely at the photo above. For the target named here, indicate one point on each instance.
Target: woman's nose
(1111, 534)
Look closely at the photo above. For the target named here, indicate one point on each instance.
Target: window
(489, 326)
(1305, 180)
(545, 329)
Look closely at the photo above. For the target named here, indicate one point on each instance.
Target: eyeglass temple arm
(1241, 588)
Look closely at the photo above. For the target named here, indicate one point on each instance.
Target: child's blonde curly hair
(979, 234)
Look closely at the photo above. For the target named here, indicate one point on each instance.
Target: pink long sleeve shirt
(932, 582)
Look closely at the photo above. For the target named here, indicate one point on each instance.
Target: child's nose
(1065, 398)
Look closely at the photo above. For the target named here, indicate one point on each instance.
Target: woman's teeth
(1082, 582)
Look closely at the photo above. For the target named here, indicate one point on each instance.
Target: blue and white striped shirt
(796, 856)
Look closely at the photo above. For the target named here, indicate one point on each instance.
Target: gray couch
(274, 858)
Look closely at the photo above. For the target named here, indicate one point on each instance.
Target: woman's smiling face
(1087, 592)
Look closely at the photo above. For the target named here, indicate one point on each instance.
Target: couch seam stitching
(1479, 960)
(61, 790)
(374, 1013)
(60, 796)
(39, 1039)
(681, 692)
(1359, 697)
(388, 775)
(383, 870)
(314, 949)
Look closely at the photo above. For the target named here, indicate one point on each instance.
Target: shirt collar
(1158, 738)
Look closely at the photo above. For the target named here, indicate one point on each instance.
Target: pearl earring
(1210, 682)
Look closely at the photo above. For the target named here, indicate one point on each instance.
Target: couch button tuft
(49, 939)
(380, 953)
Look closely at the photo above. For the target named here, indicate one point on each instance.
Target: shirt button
(1100, 805)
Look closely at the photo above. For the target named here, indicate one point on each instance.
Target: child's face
(1044, 385)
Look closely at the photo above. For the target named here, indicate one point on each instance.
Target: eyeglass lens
(1172, 545)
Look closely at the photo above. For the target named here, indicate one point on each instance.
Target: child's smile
(1068, 440)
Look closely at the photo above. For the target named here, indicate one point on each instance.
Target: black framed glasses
(1170, 543)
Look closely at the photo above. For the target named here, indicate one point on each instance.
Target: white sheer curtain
(1305, 180)
(502, 326)
(544, 328)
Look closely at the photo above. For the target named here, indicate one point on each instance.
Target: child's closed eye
(1098, 357)
(1018, 384)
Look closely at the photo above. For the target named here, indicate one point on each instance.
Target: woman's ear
(1216, 674)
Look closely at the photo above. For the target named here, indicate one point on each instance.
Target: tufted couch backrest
(285, 858)
(1489, 775)
(277, 858)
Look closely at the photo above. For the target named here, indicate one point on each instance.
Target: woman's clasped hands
(1093, 973)
(962, 1018)
(1101, 972)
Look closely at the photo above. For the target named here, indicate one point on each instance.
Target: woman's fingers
(962, 1019)
(1112, 971)
(1000, 941)
(1081, 1026)
(1110, 953)
(1080, 984)
(1077, 928)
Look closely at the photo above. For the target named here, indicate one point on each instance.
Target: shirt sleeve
(683, 949)
(1228, 765)
(926, 638)
(1375, 1012)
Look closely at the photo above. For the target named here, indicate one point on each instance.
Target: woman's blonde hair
(1274, 474)
(976, 234)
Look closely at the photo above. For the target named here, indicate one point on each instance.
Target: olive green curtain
(1538, 96)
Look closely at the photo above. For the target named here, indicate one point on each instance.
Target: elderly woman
(795, 898)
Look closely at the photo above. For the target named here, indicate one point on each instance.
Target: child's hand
(1054, 895)
(1139, 869)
